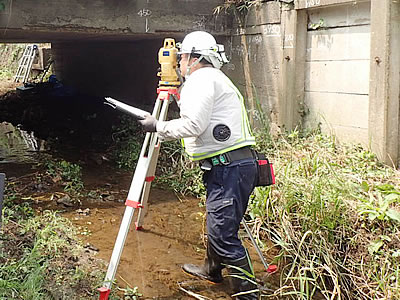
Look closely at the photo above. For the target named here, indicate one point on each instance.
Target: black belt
(230, 156)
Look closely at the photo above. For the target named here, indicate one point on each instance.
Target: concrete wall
(337, 71)
(256, 57)
(384, 81)
(333, 62)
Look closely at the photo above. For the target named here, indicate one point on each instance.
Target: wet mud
(172, 234)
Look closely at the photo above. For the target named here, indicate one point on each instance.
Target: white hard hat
(204, 44)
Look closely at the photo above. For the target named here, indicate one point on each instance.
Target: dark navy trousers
(228, 191)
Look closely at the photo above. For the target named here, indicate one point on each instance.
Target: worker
(215, 131)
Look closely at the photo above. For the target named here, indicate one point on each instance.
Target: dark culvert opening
(67, 110)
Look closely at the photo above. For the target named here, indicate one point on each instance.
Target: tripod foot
(104, 292)
(138, 227)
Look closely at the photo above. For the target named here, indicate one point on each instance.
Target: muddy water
(17, 145)
(172, 234)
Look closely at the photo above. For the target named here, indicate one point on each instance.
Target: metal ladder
(25, 63)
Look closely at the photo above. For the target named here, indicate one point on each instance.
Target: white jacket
(213, 118)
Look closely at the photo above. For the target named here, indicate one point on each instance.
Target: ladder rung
(25, 64)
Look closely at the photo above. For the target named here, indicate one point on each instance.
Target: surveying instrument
(145, 170)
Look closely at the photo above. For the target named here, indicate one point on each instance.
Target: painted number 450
(311, 3)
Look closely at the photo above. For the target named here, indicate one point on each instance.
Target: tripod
(146, 166)
(140, 186)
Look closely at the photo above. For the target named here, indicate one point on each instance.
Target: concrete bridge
(63, 20)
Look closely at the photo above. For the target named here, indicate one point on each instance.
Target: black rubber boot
(242, 279)
(210, 270)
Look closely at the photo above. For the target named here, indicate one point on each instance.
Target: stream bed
(173, 232)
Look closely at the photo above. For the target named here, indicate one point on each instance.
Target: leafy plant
(238, 5)
(128, 143)
(69, 173)
(12, 209)
(318, 25)
(377, 207)
(179, 173)
(131, 293)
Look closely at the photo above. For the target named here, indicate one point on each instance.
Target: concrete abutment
(328, 63)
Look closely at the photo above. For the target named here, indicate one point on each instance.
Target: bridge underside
(28, 36)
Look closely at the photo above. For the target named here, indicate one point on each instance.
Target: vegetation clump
(174, 170)
(178, 173)
(128, 139)
(69, 174)
(41, 257)
(9, 58)
(335, 214)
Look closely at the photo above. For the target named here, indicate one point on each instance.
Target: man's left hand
(149, 124)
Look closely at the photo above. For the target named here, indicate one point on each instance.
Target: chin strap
(192, 65)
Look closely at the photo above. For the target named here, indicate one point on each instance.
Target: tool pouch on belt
(266, 174)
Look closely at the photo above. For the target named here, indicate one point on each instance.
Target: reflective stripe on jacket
(213, 116)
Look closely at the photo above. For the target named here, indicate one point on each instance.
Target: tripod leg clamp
(133, 204)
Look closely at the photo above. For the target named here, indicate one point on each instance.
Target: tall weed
(177, 172)
(334, 213)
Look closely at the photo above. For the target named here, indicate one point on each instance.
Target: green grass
(334, 214)
(39, 258)
(177, 172)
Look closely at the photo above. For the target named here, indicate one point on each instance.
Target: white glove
(149, 124)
